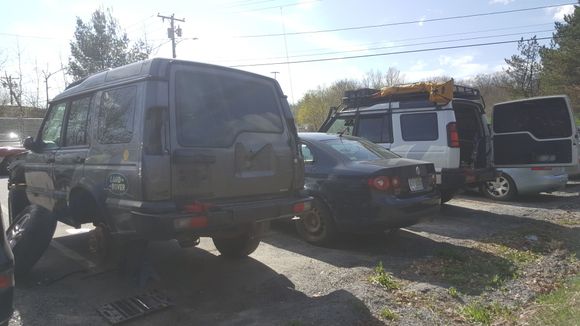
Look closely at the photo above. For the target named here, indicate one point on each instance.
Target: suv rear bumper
(454, 179)
(162, 221)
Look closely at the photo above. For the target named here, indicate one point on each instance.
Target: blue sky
(42, 30)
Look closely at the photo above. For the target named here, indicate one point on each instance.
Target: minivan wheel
(238, 246)
(502, 188)
(29, 235)
(317, 226)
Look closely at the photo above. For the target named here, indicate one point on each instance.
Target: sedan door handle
(80, 160)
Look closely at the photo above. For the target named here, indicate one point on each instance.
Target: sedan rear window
(213, 107)
(359, 150)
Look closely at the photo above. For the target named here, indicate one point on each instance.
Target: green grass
(561, 307)
(472, 270)
(484, 314)
(453, 292)
(388, 314)
(383, 278)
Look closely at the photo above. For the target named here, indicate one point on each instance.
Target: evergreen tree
(562, 60)
(100, 44)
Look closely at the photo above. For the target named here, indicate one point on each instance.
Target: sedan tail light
(6, 280)
(385, 183)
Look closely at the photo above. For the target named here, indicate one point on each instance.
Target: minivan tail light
(382, 183)
(452, 135)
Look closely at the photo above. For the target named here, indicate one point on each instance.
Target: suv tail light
(452, 135)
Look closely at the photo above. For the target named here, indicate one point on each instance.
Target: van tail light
(540, 168)
(452, 135)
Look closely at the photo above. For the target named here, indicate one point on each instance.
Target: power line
(436, 36)
(395, 46)
(389, 53)
(406, 22)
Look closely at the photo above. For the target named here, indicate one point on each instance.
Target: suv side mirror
(30, 144)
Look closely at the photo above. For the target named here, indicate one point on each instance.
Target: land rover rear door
(534, 132)
(231, 139)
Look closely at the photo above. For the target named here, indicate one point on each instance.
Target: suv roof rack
(438, 93)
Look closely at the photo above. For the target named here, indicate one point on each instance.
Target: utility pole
(171, 31)
(275, 73)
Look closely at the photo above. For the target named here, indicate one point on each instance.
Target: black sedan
(6, 277)
(359, 186)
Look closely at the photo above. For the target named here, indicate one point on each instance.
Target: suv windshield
(213, 107)
(359, 150)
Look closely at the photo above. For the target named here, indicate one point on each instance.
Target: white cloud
(503, 2)
(418, 66)
(559, 12)
(422, 21)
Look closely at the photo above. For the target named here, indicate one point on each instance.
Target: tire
(447, 195)
(17, 201)
(503, 188)
(29, 236)
(238, 246)
(317, 226)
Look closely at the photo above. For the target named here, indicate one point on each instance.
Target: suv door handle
(80, 160)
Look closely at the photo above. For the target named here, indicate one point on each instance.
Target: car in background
(574, 171)
(6, 277)
(10, 147)
(524, 181)
(359, 186)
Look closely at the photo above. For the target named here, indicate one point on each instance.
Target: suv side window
(344, 125)
(51, 130)
(76, 127)
(419, 127)
(375, 128)
(117, 115)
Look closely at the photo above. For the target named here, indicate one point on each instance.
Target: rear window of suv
(213, 107)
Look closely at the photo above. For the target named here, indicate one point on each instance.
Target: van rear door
(230, 138)
(532, 132)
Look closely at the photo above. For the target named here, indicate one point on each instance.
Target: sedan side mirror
(30, 144)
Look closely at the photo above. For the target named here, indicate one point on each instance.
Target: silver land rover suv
(157, 150)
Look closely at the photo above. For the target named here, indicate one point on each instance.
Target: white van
(446, 124)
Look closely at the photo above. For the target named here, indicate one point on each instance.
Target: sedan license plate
(416, 184)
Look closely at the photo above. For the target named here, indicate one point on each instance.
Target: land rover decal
(117, 184)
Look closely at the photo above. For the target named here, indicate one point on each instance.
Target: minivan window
(375, 128)
(51, 130)
(117, 115)
(544, 118)
(419, 127)
(213, 107)
(344, 125)
(76, 127)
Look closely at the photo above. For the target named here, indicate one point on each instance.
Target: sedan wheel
(502, 188)
(317, 226)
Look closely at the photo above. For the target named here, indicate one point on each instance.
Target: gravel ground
(476, 256)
